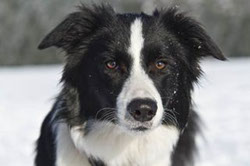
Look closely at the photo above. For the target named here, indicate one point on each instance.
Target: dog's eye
(160, 64)
(112, 64)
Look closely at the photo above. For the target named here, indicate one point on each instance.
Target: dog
(126, 94)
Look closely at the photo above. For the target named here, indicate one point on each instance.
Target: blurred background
(29, 77)
(25, 22)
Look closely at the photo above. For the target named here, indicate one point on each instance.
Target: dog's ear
(190, 33)
(78, 26)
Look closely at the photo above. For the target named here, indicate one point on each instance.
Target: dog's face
(133, 70)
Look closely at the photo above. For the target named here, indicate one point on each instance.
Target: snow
(222, 99)
(26, 95)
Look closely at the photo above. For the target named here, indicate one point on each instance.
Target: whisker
(171, 110)
(170, 115)
(108, 115)
(103, 109)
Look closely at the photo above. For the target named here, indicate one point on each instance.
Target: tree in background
(25, 22)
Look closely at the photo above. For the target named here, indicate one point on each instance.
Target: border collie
(126, 95)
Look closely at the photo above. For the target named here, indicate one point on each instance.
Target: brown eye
(111, 64)
(160, 65)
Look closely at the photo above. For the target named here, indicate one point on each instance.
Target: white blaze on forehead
(138, 84)
(136, 41)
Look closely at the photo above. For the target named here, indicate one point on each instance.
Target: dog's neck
(114, 147)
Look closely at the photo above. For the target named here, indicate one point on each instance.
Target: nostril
(137, 112)
(150, 113)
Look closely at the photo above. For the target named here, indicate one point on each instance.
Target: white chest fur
(114, 146)
(66, 153)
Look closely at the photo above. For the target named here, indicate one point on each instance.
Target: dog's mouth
(131, 126)
(140, 128)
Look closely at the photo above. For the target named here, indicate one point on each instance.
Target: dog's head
(134, 70)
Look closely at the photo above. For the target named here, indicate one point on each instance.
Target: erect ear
(78, 26)
(190, 33)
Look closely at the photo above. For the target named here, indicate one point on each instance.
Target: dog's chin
(134, 127)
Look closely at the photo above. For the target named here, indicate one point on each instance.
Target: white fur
(117, 147)
(66, 153)
(138, 85)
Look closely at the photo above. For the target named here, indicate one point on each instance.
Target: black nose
(142, 109)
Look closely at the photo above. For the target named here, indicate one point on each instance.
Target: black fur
(94, 35)
(96, 162)
(46, 154)
(186, 149)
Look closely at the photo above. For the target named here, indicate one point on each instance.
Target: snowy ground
(222, 99)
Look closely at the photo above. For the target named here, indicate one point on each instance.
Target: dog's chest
(115, 148)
